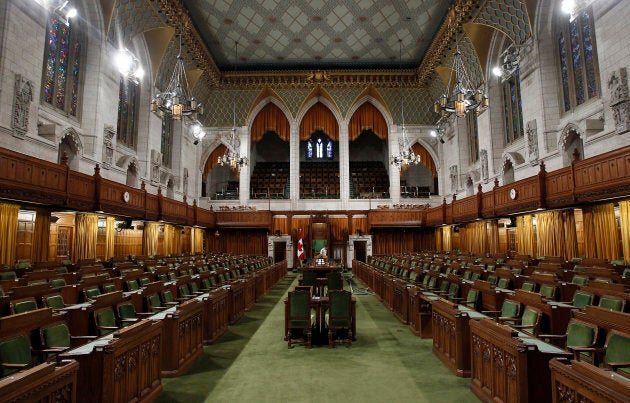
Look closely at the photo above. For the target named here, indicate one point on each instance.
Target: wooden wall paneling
(559, 188)
(280, 223)
(359, 223)
(528, 196)
(487, 204)
(466, 209)
(111, 199)
(239, 241)
(605, 175)
(128, 242)
(339, 227)
(503, 240)
(205, 218)
(173, 210)
(81, 191)
(579, 231)
(101, 242)
(24, 240)
(244, 219)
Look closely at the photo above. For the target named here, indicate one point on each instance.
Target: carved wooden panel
(42, 383)
(465, 209)
(527, 196)
(259, 219)
(435, 216)
(559, 187)
(607, 174)
(394, 218)
(582, 382)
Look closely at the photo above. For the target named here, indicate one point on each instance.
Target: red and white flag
(300, 246)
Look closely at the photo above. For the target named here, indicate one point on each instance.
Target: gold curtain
(624, 218)
(211, 162)
(550, 234)
(150, 238)
(493, 236)
(570, 234)
(86, 232)
(41, 236)
(525, 235)
(110, 234)
(447, 238)
(196, 243)
(606, 235)
(474, 238)
(425, 158)
(8, 232)
(177, 240)
(270, 118)
(438, 238)
(319, 117)
(168, 239)
(588, 225)
(367, 117)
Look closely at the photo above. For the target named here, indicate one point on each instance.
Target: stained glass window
(309, 149)
(128, 95)
(473, 136)
(329, 149)
(578, 60)
(512, 107)
(166, 146)
(319, 148)
(62, 67)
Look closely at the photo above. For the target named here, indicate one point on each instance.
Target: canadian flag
(300, 246)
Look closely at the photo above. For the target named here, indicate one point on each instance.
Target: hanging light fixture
(61, 9)
(464, 98)
(177, 101)
(128, 65)
(232, 157)
(405, 154)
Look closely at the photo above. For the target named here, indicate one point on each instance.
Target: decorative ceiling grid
(508, 16)
(133, 17)
(285, 35)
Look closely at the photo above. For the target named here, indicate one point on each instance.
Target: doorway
(360, 248)
(279, 251)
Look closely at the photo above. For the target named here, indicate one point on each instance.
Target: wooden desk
(451, 335)
(508, 368)
(420, 303)
(216, 314)
(182, 336)
(320, 305)
(582, 382)
(123, 366)
(42, 383)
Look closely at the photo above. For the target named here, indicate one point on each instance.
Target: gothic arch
(571, 144)
(376, 103)
(73, 139)
(261, 105)
(326, 102)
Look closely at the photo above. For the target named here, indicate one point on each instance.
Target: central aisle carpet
(251, 363)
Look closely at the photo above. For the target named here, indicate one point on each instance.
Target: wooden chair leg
(330, 339)
(308, 335)
(289, 338)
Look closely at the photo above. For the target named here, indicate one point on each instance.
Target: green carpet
(251, 363)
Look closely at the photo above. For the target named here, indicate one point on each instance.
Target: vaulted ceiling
(316, 34)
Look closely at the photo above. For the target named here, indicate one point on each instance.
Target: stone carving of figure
(620, 100)
(454, 182)
(532, 141)
(21, 105)
(483, 154)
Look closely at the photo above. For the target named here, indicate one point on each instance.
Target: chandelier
(176, 101)
(464, 98)
(405, 154)
(232, 157)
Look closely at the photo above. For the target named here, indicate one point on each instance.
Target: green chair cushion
(56, 336)
(54, 301)
(510, 309)
(548, 291)
(618, 348)
(611, 303)
(24, 306)
(91, 293)
(16, 350)
(581, 299)
(580, 335)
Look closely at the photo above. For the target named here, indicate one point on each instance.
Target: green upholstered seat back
(318, 244)
(61, 270)
(167, 296)
(24, 306)
(16, 350)
(432, 281)
(510, 309)
(111, 287)
(492, 279)
(91, 293)
(184, 291)
(126, 311)
(56, 336)
(581, 280)
(340, 308)
(453, 289)
(222, 278)
(153, 302)
(413, 276)
(57, 282)
(425, 280)
(503, 283)
(144, 281)
(617, 348)
(474, 277)
(7, 275)
(163, 277)
(334, 281)
(528, 286)
(105, 317)
(467, 274)
(444, 285)
(132, 285)
(213, 281)
(194, 288)
(616, 304)
(581, 298)
(205, 283)
(172, 275)
(530, 318)
(490, 267)
(299, 309)
(54, 301)
(581, 334)
(548, 291)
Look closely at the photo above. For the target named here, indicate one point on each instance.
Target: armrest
(616, 365)
(146, 314)
(83, 337)
(130, 320)
(169, 304)
(552, 336)
(107, 327)
(7, 365)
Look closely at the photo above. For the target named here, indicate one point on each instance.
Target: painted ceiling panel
(354, 34)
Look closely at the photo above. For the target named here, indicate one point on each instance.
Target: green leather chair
(57, 282)
(580, 280)
(471, 301)
(154, 303)
(492, 279)
(111, 287)
(580, 339)
(613, 303)
(581, 299)
(334, 281)
(132, 285)
(167, 298)
(530, 321)
(7, 275)
(528, 286)
(510, 312)
(503, 283)
(548, 291)
(339, 317)
(105, 321)
(91, 293)
(299, 318)
(617, 356)
(15, 355)
(144, 281)
(126, 314)
(23, 305)
(54, 301)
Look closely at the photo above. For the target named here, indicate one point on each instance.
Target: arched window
(61, 80)
(128, 96)
(512, 107)
(166, 147)
(578, 60)
(319, 149)
(309, 149)
(329, 149)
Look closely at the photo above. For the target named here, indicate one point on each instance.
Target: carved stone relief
(531, 130)
(21, 106)
(620, 100)
(483, 155)
(454, 178)
(108, 145)
(156, 163)
(185, 181)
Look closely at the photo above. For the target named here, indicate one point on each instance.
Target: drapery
(168, 239)
(447, 244)
(8, 232)
(41, 236)
(367, 117)
(474, 238)
(570, 234)
(270, 118)
(150, 238)
(199, 233)
(588, 225)
(525, 235)
(86, 232)
(605, 230)
(319, 117)
(550, 234)
(110, 235)
(624, 218)
(493, 236)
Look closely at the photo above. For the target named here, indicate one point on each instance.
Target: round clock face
(126, 197)
(513, 194)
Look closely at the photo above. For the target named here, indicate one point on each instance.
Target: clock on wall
(126, 197)
(513, 194)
